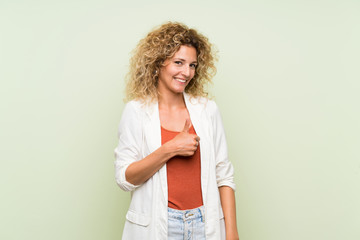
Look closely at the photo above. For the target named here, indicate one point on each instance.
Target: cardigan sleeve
(129, 145)
(224, 168)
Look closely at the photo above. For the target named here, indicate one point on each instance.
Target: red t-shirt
(183, 176)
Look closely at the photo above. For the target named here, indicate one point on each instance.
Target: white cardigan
(140, 135)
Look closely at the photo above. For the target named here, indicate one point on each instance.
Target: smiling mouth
(180, 80)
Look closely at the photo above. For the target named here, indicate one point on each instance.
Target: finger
(197, 138)
(187, 125)
(190, 153)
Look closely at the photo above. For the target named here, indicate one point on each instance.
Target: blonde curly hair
(161, 44)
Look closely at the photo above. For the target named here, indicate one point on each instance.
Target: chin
(178, 89)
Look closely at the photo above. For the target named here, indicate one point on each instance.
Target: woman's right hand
(185, 143)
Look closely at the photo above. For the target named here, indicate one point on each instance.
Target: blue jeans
(186, 224)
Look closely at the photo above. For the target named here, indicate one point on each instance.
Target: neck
(171, 101)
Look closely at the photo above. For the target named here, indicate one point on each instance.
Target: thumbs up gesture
(185, 143)
(187, 126)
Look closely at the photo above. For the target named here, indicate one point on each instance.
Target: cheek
(193, 73)
(169, 71)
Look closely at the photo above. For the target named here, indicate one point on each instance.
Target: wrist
(231, 234)
(168, 150)
(232, 237)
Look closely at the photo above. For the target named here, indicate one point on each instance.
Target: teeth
(180, 80)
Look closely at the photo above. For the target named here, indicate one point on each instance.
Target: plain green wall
(287, 86)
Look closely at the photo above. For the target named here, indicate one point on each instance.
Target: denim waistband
(186, 215)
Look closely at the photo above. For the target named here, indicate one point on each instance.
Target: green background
(287, 87)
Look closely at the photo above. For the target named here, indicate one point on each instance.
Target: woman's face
(176, 72)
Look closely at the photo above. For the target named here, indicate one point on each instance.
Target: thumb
(187, 125)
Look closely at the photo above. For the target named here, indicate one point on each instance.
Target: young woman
(172, 152)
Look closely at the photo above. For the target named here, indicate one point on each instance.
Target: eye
(178, 62)
(193, 65)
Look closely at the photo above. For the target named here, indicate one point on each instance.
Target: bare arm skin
(227, 197)
(184, 144)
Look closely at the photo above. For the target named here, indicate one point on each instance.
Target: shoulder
(132, 111)
(204, 107)
(135, 106)
(209, 106)
(201, 103)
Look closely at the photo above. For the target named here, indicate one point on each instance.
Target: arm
(227, 197)
(224, 176)
(140, 171)
(130, 170)
(184, 144)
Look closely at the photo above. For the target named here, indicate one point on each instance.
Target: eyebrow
(184, 60)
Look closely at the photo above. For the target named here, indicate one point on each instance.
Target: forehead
(187, 53)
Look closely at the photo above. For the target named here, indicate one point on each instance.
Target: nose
(186, 71)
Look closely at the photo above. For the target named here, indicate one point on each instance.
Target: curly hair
(161, 44)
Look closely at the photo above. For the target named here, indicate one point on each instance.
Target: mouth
(180, 80)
